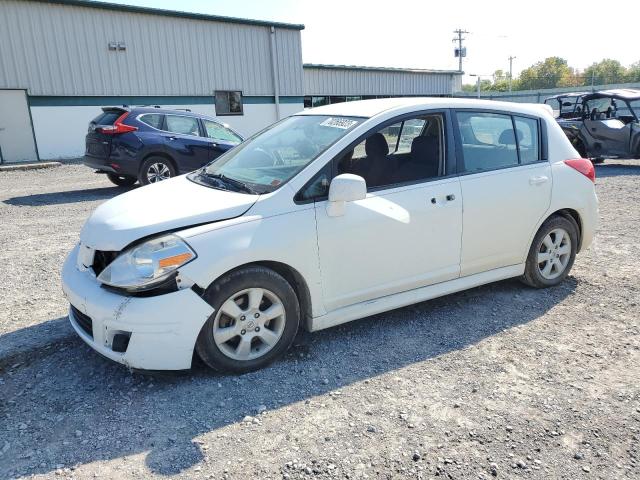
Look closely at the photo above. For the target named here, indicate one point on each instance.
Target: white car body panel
(373, 258)
(163, 340)
(498, 210)
(392, 241)
(159, 207)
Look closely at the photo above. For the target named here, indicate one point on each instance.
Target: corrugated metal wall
(344, 81)
(54, 49)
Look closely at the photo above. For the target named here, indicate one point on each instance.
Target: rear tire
(121, 180)
(256, 317)
(156, 169)
(552, 253)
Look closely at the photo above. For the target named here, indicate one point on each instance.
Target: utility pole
(510, 70)
(460, 51)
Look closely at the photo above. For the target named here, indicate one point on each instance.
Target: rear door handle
(451, 197)
(538, 180)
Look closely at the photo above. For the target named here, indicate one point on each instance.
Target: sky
(419, 33)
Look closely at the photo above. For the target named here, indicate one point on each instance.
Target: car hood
(160, 207)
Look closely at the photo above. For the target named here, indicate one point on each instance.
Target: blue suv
(150, 144)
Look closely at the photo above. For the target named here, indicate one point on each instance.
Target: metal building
(65, 59)
(325, 84)
(61, 60)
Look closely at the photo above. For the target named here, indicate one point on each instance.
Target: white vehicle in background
(331, 215)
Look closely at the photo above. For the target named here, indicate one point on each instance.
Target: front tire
(121, 180)
(256, 317)
(156, 169)
(552, 253)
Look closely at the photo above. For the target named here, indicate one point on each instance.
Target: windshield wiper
(229, 181)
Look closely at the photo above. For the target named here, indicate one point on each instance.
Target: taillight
(584, 166)
(117, 127)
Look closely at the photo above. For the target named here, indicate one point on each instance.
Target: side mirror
(345, 188)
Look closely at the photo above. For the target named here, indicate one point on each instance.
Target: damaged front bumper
(161, 330)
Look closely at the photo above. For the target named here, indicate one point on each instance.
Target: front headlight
(147, 264)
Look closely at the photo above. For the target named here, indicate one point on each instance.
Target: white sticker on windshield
(344, 123)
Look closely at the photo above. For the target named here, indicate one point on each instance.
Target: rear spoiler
(121, 108)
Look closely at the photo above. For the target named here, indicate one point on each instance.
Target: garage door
(16, 132)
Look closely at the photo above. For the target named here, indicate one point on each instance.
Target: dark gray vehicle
(604, 124)
(566, 105)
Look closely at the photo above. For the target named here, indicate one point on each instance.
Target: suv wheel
(121, 180)
(255, 319)
(552, 253)
(156, 169)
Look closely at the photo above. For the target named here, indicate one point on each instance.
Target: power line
(460, 51)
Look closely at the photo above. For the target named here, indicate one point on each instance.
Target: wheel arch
(164, 155)
(573, 216)
(293, 277)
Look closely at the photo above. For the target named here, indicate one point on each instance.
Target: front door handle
(451, 197)
(538, 180)
(172, 138)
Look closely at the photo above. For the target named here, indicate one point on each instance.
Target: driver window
(404, 152)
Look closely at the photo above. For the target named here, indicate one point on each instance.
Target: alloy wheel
(554, 253)
(158, 172)
(249, 324)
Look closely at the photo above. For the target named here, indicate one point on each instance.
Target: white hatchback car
(327, 216)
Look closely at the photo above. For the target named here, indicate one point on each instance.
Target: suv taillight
(584, 166)
(117, 127)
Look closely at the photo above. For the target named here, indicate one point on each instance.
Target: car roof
(154, 109)
(621, 93)
(372, 108)
(566, 95)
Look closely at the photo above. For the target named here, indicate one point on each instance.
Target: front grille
(101, 259)
(84, 321)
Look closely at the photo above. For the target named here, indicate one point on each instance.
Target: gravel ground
(499, 381)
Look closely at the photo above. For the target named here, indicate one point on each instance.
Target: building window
(228, 103)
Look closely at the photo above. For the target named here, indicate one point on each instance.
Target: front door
(17, 142)
(220, 138)
(506, 188)
(406, 233)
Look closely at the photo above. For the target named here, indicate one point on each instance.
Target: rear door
(185, 142)
(506, 187)
(98, 145)
(220, 137)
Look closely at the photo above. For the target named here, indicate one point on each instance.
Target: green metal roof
(378, 69)
(171, 13)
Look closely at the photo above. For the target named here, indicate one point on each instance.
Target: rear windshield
(107, 118)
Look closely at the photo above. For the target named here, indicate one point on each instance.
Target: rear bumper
(98, 163)
(163, 329)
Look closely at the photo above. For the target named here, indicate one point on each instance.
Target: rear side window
(219, 132)
(528, 139)
(152, 119)
(182, 125)
(491, 141)
(107, 118)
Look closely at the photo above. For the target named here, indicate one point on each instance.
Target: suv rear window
(107, 118)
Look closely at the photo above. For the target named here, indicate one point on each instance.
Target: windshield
(275, 155)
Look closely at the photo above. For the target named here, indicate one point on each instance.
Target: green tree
(604, 72)
(633, 72)
(550, 73)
